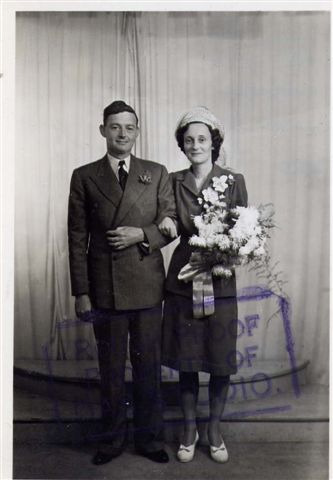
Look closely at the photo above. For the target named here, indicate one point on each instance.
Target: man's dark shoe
(159, 456)
(105, 456)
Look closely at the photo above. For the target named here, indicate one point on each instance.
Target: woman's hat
(200, 114)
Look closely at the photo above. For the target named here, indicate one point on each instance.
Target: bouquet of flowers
(229, 237)
(226, 237)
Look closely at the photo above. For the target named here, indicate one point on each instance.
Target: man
(117, 274)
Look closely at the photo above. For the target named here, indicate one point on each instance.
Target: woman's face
(198, 143)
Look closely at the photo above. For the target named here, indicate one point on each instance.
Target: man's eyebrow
(126, 124)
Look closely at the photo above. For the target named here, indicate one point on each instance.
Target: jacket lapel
(107, 182)
(216, 171)
(189, 181)
(133, 190)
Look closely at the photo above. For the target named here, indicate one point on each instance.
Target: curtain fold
(264, 74)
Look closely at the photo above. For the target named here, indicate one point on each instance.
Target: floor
(248, 461)
(263, 442)
(312, 404)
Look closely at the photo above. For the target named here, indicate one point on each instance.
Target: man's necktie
(122, 174)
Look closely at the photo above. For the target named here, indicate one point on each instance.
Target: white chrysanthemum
(217, 225)
(244, 250)
(208, 229)
(211, 241)
(220, 271)
(210, 195)
(250, 246)
(220, 183)
(246, 224)
(197, 241)
(254, 243)
(260, 251)
(198, 222)
(223, 242)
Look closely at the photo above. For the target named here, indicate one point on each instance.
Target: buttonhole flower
(145, 177)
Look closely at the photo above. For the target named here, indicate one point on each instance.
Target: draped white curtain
(264, 74)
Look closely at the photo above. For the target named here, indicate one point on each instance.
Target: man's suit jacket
(186, 195)
(132, 278)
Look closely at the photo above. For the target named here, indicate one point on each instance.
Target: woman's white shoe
(219, 454)
(186, 454)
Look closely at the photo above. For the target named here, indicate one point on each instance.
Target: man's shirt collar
(114, 162)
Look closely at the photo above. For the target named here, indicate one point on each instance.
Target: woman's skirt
(207, 344)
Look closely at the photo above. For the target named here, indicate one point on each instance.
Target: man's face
(120, 132)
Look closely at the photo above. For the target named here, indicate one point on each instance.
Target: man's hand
(123, 237)
(168, 228)
(82, 305)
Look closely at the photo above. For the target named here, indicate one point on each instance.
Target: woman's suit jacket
(186, 195)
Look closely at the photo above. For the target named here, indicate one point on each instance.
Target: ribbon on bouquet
(203, 291)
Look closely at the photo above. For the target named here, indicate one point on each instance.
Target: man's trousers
(111, 331)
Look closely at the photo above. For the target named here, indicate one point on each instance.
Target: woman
(206, 344)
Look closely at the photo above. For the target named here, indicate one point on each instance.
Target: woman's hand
(168, 228)
(207, 259)
(197, 260)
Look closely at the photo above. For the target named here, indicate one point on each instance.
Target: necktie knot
(122, 174)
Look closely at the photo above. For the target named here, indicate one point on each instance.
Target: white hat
(200, 114)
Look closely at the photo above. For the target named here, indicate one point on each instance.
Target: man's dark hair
(217, 139)
(118, 106)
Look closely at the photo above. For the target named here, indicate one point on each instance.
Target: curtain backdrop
(264, 74)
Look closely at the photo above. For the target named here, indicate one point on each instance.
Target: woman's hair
(217, 139)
